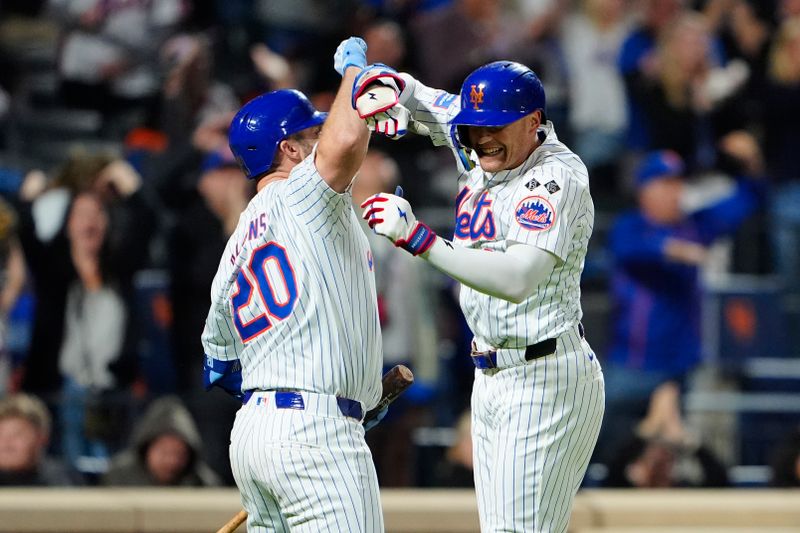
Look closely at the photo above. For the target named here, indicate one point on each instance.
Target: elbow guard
(226, 375)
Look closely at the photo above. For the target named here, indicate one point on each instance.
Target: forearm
(432, 107)
(512, 275)
(344, 139)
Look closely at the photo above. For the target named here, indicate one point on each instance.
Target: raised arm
(345, 137)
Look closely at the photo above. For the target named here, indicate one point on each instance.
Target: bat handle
(234, 522)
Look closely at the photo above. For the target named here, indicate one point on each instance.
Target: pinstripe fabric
(534, 424)
(330, 342)
(304, 470)
(301, 470)
(534, 428)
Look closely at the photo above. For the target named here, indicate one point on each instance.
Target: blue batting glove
(377, 420)
(398, 191)
(351, 52)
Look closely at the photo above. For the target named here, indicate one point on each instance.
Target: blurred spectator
(658, 250)
(452, 40)
(591, 39)
(386, 44)
(50, 200)
(12, 281)
(662, 453)
(190, 95)
(782, 138)
(109, 52)
(637, 60)
(407, 328)
(276, 70)
(24, 434)
(48, 250)
(304, 32)
(690, 102)
(456, 470)
(785, 461)
(165, 450)
(83, 281)
(95, 320)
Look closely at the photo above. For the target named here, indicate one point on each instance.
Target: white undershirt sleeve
(512, 275)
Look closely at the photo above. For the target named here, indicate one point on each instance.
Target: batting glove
(351, 52)
(376, 97)
(391, 216)
(375, 421)
(392, 123)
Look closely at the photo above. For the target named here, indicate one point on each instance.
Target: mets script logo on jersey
(535, 213)
(476, 95)
(476, 224)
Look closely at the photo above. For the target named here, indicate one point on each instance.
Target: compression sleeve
(512, 275)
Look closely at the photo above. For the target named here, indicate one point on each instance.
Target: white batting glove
(350, 52)
(392, 123)
(391, 216)
(376, 97)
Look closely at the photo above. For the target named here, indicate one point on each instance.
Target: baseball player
(293, 326)
(524, 216)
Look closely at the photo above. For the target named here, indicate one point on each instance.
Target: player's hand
(392, 123)
(376, 97)
(369, 424)
(350, 52)
(391, 216)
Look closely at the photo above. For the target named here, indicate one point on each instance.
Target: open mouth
(489, 152)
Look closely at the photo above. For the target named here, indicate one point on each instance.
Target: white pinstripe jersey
(294, 296)
(545, 203)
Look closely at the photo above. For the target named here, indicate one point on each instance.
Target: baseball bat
(234, 522)
(394, 383)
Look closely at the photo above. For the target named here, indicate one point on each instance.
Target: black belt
(485, 360)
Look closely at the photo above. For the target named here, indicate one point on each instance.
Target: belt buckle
(484, 360)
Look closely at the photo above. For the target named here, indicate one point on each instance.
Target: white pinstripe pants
(534, 427)
(304, 470)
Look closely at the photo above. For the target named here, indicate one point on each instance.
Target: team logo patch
(532, 184)
(552, 187)
(535, 213)
(476, 95)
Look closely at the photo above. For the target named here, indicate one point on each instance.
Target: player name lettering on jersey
(256, 227)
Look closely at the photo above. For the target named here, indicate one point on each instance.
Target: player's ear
(536, 120)
(291, 150)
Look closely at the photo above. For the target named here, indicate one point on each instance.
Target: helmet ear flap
(462, 135)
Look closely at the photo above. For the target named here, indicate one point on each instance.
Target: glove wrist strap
(420, 240)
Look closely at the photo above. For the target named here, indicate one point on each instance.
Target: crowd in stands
(118, 193)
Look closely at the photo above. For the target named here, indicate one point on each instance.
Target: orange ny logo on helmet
(476, 96)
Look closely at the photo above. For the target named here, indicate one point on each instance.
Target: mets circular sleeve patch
(535, 213)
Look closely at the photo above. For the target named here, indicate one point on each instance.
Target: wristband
(420, 240)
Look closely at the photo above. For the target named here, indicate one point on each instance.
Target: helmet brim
(472, 117)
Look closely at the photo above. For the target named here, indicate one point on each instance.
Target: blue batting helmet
(263, 122)
(497, 94)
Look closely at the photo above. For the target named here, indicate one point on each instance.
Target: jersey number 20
(270, 269)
